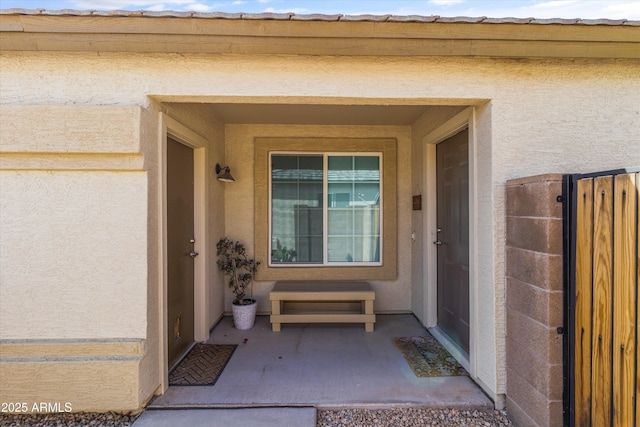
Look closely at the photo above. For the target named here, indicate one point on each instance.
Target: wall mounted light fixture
(224, 173)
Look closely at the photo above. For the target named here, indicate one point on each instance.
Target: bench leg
(368, 309)
(275, 309)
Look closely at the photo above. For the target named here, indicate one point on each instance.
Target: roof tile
(373, 18)
(556, 21)
(167, 14)
(462, 19)
(14, 11)
(63, 12)
(116, 12)
(316, 17)
(412, 18)
(267, 16)
(509, 20)
(217, 15)
(602, 21)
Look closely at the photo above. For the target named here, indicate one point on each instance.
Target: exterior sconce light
(224, 173)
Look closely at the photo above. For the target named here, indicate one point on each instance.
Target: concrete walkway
(324, 367)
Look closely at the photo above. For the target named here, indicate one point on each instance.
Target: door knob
(437, 242)
(193, 254)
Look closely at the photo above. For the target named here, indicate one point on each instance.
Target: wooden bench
(325, 292)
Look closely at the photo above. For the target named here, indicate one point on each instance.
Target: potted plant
(234, 262)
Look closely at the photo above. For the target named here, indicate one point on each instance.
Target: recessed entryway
(450, 238)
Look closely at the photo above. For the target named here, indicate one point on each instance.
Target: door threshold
(452, 347)
(182, 356)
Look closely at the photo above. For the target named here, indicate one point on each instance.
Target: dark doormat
(203, 365)
(427, 357)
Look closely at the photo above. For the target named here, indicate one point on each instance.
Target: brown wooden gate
(603, 300)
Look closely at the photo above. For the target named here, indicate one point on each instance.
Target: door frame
(464, 119)
(184, 135)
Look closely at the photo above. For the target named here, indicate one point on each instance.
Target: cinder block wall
(534, 300)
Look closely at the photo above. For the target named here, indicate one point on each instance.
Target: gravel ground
(406, 417)
(109, 419)
(412, 417)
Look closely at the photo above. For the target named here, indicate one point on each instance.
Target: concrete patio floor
(322, 366)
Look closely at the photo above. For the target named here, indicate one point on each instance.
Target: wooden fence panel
(624, 299)
(637, 379)
(602, 301)
(607, 255)
(584, 291)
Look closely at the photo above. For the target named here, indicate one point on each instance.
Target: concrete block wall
(534, 300)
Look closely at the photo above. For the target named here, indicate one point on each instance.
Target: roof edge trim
(319, 17)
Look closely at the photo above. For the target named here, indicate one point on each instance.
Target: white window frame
(325, 211)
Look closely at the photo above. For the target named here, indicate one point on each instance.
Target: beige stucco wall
(56, 272)
(150, 366)
(76, 304)
(81, 375)
(74, 236)
(532, 117)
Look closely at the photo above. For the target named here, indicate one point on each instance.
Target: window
(325, 209)
(334, 195)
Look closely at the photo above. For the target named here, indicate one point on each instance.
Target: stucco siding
(566, 117)
(88, 385)
(488, 314)
(150, 368)
(78, 307)
(583, 102)
(69, 129)
(79, 375)
(76, 243)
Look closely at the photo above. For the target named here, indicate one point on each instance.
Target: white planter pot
(244, 315)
